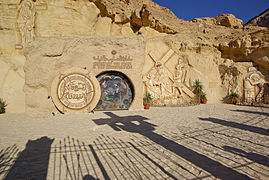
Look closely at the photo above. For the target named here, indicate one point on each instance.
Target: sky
(190, 9)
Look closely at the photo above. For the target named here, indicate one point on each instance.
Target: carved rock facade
(61, 72)
(218, 51)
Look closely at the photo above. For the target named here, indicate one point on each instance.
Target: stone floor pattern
(217, 141)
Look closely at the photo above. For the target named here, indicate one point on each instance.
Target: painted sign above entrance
(75, 90)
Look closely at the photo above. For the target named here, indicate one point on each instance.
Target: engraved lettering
(120, 62)
(75, 91)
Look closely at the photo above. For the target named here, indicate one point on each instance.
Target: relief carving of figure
(160, 80)
(177, 84)
(157, 83)
(249, 92)
(254, 79)
(149, 85)
(26, 21)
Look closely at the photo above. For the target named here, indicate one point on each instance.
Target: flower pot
(204, 101)
(146, 106)
(234, 102)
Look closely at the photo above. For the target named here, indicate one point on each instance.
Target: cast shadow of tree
(138, 124)
(245, 127)
(32, 162)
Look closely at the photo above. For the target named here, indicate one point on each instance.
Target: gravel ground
(198, 142)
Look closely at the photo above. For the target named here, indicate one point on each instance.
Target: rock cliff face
(217, 50)
(261, 20)
(138, 14)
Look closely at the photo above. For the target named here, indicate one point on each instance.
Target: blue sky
(189, 9)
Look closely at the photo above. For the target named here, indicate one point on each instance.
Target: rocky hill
(139, 13)
(261, 20)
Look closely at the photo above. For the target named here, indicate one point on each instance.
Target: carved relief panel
(26, 20)
(253, 86)
(165, 81)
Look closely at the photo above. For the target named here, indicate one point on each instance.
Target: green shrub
(147, 98)
(198, 88)
(234, 96)
(3, 106)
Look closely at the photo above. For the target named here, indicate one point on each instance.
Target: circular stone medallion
(75, 90)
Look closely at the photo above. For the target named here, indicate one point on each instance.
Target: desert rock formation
(217, 50)
(261, 20)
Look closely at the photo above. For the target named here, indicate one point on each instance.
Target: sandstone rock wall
(11, 59)
(205, 44)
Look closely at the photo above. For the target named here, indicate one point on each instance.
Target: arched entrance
(116, 91)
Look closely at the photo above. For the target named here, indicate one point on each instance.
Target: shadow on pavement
(252, 112)
(32, 162)
(263, 160)
(89, 177)
(245, 127)
(137, 124)
(107, 158)
(7, 157)
(150, 156)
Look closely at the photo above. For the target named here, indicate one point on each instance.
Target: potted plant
(147, 100)
(2, 106)
(234, 97)
(198, 89)
(203, 98)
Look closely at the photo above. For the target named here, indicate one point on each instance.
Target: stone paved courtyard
(199, 142)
